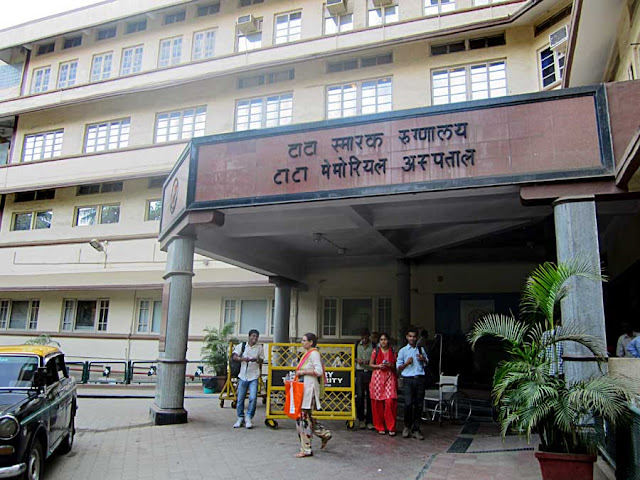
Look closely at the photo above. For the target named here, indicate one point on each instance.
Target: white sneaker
(248, 423)
(238, 423)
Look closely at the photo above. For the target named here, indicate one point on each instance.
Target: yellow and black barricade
(339, 399)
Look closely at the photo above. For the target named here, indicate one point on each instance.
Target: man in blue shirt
(411, 365)
(634, 347)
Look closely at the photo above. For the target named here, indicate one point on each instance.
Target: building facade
(98, 104)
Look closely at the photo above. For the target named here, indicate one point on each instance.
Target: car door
(52, 397)
(66, 397)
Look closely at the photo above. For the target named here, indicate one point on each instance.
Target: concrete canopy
(259, 200)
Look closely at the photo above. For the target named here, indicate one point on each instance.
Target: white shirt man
(250, 355)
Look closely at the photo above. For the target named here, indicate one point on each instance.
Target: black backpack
(234, 366)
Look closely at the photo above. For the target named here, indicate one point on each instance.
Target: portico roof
(283, 201)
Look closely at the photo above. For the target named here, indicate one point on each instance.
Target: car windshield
(17, 371)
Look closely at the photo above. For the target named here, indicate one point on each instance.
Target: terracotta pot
(563, 466)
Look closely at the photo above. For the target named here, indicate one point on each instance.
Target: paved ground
(116, 441)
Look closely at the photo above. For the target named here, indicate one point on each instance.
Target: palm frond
(548, 284)
(500, 326)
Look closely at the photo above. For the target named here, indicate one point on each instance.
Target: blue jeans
(243, 385)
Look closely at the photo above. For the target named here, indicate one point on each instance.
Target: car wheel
(35, 462)
(67, 442)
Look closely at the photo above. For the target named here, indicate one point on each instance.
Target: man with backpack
(411, 364)
(250, 355)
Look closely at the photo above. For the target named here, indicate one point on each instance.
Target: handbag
(294, 392)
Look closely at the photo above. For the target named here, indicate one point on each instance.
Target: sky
(21, 11)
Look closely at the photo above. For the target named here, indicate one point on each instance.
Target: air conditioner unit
(336, 7)
(247, 24)
(558, 39)
(382, 3)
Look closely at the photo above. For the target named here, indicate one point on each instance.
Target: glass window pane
(110, 214)
(19, 312)
(85, 315)
(43, 219)
(356, 315)
(253, 314)
(143, 316)
(86, 216)
(22, 221)
(157, 316)
(329, 317)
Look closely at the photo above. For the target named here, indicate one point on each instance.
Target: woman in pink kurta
(384, 387)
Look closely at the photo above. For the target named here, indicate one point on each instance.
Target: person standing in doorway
(311, 371)
(363, 380)
(624, 340)
(384, 387)
(411, 364)
(250, 355)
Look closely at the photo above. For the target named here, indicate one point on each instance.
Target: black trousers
(363, 397)
(413, 401)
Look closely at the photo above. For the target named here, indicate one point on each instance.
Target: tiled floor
(116, 441)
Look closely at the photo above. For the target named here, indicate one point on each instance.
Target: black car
(37, 409)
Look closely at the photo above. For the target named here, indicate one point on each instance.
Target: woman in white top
(310, 369)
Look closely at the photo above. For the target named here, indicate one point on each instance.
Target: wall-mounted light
(97, 245)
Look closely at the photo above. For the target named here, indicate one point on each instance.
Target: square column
(577, 238)
(168, 407)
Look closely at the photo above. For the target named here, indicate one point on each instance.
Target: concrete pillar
(168, 407)
(403, 294)
(282, 311)
(577, 238)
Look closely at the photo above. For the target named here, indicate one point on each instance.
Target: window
(93, 188)
(203, 44)
(338, 23)
(105, 33)
(288, 27)
(272, 111)
(175, 17)
(72, 42)
(107, 136)
(477, 3)
(266, 78)
(42, 145)
(435, 7)
(170, 52)
(97, 214)
(46, 48)
(139, 26)
(250, 40)
(154, 210)
(355, 63)
(149, 316)
(40, 81)
(101, 66)
(85, 315)
(472, 44)
(67, 74)
(383, 15)
(211, 9)
(34, 195)
(248, 314)
(345, 317)
(551, 67)
(359, 98)
(458, 84)
(246, 3)
(32, 220)
(131, 60)
(180, 125)
(19, 314)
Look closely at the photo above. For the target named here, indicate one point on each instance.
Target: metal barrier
(147, 372)
(78, 370)
(108, 372)
(338, 402)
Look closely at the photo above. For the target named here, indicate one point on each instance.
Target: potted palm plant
(529, 391)
(215, 353)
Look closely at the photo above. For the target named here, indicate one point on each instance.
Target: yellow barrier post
(339, 399)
